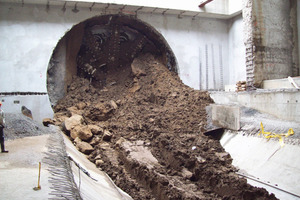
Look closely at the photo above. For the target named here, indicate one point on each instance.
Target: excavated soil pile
(144, 130)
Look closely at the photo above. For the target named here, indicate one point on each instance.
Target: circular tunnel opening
(98, 47)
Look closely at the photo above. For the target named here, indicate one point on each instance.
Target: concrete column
(298, 25)
(248, 40)
(270, 39)
(295, 38)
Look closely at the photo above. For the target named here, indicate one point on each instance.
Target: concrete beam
(216, 9)
(226, 116)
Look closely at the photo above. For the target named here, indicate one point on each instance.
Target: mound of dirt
(144, 129)
(20, 126)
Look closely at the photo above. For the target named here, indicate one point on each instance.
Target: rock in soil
(152, 145)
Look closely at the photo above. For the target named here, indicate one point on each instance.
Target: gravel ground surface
(20, 126)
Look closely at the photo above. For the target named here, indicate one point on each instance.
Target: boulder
(48, 121)
(96, 130)
(99, 162)
(113, 104)
(99, 112)
(77, 140)
(95, 140)
(136, 71)
(84, 147)
(74, 133)
(25, 111)
(83, 132)
(120, 141)
(81, 105)
(73, 111)
(98, 157)
(71, 122)
(136, 87)
(107, 136)
(186, 173)
(59, 118)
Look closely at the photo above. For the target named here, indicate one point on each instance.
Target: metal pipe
(180, 15)
(64, 7)
(122, 8)
(203, 3)
(249, 177)
(194, 17)
(153, 10)
(92, 6)
(165, 11)
(140, 8)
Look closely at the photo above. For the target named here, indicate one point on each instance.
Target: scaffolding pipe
(203, 3)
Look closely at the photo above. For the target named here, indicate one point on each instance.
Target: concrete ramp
(265, 163)
(91, 182)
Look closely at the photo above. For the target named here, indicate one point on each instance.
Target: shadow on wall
(101, 44)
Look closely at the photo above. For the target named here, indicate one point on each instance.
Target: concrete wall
(38, 104)
(283, 104)
(236, 48)
(30, 33)
(298, 25)
(197, 45)
(270, 40)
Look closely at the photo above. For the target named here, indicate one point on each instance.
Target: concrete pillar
(298, 25)
(270, 39)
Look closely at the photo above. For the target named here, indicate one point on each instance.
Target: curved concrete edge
(91, 182)
(264, 163)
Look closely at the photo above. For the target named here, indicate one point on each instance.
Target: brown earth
(145, 130)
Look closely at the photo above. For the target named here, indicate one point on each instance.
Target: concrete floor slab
(19, 169)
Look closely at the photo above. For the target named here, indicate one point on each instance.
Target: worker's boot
(3, 148)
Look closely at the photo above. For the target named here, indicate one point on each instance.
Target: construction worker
(2, 125)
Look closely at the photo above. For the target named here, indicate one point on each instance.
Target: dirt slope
(144, 128)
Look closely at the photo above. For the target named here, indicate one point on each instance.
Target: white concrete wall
(236, 51)
(283, 104)
(188, 39)
(29, 34)
(235, 6)
(39, 105)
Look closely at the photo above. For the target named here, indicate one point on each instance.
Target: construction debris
(149, 140)
(241, 86)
